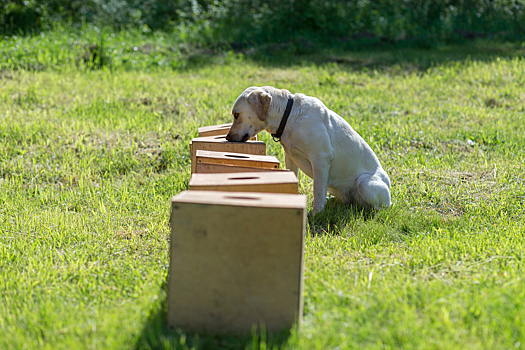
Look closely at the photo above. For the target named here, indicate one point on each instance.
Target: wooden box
(238, 159)
(220, 144)
(218, 130)
(268, 181)
(208, 168)
(236, 260)
(214, 130)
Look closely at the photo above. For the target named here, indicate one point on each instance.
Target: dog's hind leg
(373, 190)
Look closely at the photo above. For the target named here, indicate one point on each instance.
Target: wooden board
(269, 182)
(236, 259)
(239, 159)
(207, 168)
(217, 130)
(220, 144)
(214, 130)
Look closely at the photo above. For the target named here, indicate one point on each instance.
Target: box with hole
(236, 159)
(220, 144)
(217, 130)
(269, 182)
(236, 260)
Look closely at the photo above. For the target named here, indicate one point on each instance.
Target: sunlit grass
(90, 158)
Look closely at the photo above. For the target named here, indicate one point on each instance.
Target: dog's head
(249, 114)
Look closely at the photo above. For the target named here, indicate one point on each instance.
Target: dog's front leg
(320, 169)
(290, 164)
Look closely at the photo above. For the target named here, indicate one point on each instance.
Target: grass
(182, 49)
(90, 158)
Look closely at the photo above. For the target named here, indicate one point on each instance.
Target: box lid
(214, 127)
(234, 155)
(242, 199)
(222, 139)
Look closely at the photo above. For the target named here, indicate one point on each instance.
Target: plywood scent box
(214, 130)
(236, 259)
(220, 144)
(207, 168)
(269, 182)
(238, 159)
(217, 130)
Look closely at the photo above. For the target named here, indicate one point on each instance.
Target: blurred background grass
(148, 33)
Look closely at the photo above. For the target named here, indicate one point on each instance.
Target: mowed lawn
(90, 159)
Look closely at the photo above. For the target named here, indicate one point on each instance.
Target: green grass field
(89, 160)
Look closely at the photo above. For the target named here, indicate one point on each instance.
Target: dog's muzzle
(231, 139)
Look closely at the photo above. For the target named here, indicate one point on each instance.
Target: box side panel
(213, 130)
(235, 147)
(290, 188)
(256, 163)
(258, 148)
(207, 168)
(231, 267)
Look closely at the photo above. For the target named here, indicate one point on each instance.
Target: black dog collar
(277, 136)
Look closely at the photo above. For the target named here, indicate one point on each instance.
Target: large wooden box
(269, 182)
(217, 130)
(238, 159)
(220, 144)
(236, 260)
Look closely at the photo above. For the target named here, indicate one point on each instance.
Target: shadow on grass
(156, 334)
(384, 57)
(368, 227)
(335, 216)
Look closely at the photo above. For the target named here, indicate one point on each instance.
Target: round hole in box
(244, 178)
(235, 156)
(235, 197)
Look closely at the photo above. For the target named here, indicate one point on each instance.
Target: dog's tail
(373, 190)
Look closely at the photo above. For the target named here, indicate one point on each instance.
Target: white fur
(317, 141)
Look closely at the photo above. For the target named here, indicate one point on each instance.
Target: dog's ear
(260, 100)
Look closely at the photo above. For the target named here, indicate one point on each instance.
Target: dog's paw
(317, 210)
(313, 215)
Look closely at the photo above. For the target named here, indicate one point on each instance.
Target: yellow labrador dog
(317, 141)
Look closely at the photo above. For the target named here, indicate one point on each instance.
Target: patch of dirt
(450, 192)
(454, 146)
(469, 34)
(127, 234)
(492, 102)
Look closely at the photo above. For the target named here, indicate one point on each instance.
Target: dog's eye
(236, 115)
